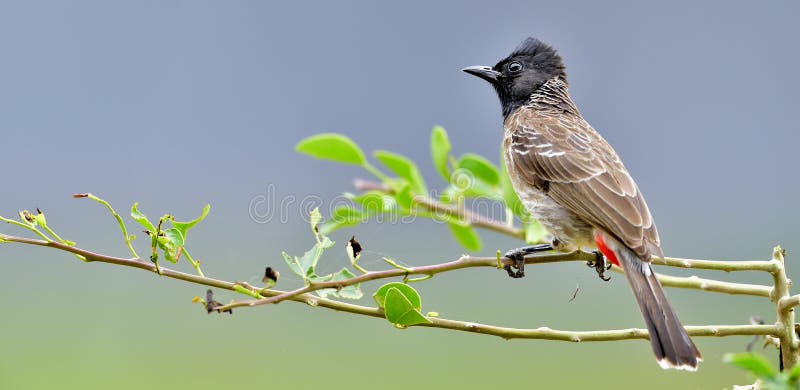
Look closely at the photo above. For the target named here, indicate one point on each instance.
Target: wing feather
(584, 174)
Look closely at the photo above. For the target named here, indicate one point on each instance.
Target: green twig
(195, 264)
(26, 226)
(128, 238)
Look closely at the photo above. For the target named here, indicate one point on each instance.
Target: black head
(518, 76)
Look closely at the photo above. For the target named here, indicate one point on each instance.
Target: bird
(573, 182)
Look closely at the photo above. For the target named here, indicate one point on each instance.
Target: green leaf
(347, 216)
(334, 147)
(400, 311)
(142, 219)
(466, 236)
(755, 364)
(375, 202)
(175, 236)
(329, 227)
(481, 168)
(440, 151)
(794, 375)
(294, 264)
(347, 292)
(315, 218)
(403, 167)
(170, 249)
(308, 262)
(409, 292)
(404, 198)
(326, 242)
(534, 232)
(40, 219)
(184, 227)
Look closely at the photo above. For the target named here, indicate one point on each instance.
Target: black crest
(522, 73)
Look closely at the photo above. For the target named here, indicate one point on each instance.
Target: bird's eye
(515, 67)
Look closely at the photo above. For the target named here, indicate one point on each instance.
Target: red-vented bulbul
(574, 183)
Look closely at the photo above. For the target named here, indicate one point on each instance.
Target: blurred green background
(182, 103)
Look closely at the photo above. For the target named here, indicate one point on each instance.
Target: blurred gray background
(182, 103)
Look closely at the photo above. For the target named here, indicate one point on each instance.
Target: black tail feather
(671, 344)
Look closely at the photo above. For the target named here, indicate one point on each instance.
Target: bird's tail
(671, 344)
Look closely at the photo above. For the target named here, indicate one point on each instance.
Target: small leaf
(308, 262)
(481, 168)
(347, 216)
(440, 150)
(409, 292)
(755, 364)
(347, 292)
(404, 168)
(404, 198)
(294, 264)
(142, 219)
(375, 202)
(26, 218)
(466, 236)
(315, 218)
(40, 219)
(400, 311)
(169, 248)
(184, 227)
(334, 147)
(329, 227)
(175, 236)
(325, 242)
(534, 232)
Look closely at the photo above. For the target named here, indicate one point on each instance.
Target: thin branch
(428, 270)
(602, 335)
(120, 222)
(470, 217)
(542, 333)
(788, 303)
(717, 265)
(437, 207)
(711, 285)
(691, 282)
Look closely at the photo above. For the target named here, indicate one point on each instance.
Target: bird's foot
(600, 266)
(519, 263)
(518, 257)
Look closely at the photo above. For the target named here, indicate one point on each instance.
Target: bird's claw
(599, 265)
(518, 257)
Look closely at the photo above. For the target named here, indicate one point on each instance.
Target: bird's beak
(484, 72)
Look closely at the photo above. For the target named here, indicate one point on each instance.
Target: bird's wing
(563, 155)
